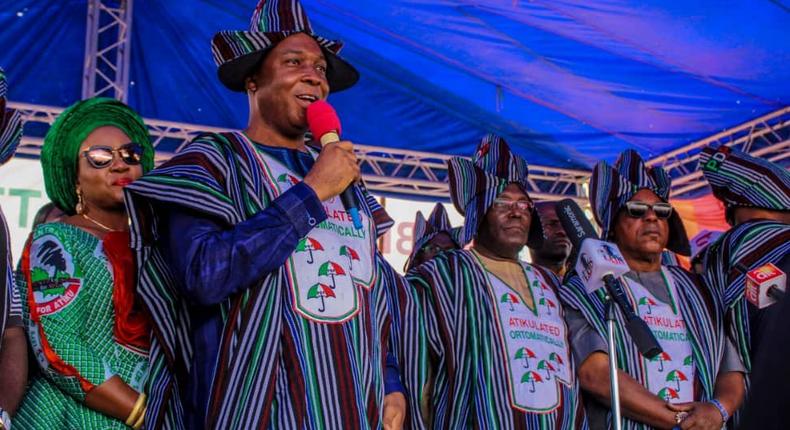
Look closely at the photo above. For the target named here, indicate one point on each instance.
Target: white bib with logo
(670, 375)
(332, 262)
(535, 342)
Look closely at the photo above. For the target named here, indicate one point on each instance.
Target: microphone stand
(614, 383)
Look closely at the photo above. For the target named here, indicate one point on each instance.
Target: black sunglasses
(639, 209)
(101, 156)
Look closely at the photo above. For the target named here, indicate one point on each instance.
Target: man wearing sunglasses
(756, 194)
(485, 327)
(697, 381)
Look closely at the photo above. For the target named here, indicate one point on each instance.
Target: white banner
(21, 195)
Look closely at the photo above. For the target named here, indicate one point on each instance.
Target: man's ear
(250, 85)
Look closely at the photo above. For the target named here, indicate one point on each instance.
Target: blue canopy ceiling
(566, 82)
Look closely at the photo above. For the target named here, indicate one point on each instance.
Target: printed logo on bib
(536, 345)
(289, 179)
(55, 282)
(308, 244)
(670, 374)
(331, 263)
(648, 303)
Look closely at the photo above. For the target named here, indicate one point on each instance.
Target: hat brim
(340, 74)
(678, 239)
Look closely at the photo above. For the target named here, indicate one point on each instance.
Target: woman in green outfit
(87, 328)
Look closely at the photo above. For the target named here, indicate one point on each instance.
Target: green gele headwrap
(60, 153)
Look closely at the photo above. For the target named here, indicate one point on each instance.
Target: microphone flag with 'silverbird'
(325, 126)
(599, 264)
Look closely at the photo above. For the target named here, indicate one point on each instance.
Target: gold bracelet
(135, 414)
(139, 424)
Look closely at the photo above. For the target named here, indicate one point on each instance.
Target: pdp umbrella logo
(308, 244)
(351, 254)
(542, 288)
(688, 361)
(288, 179)
(546, 366)
(668, 394)
(647, 301)
(661, 358)
(320, 291)
(532, 377)
(548, 304)
(677, 376)
(510, 299)
(525, 354)
(556, 359)
(331, 269)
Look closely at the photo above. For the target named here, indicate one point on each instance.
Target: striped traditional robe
(276, 369)
(741, 249)
(699, 311)
(446, 320)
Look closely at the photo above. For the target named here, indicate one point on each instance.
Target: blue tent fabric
(565, 82)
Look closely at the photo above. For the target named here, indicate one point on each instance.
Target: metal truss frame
(767, 136)
(107, 49)
(424, 175)
(387, 171)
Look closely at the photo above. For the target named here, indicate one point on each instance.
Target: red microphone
(325, 126)
(765, 285)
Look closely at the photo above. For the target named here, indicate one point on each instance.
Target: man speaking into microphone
(696, 381)
(267, 300)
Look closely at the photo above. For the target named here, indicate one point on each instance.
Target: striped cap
(475, 183)
(10, 125)
(739, 179)
(425, 230)
(612, 186)
(237, 53)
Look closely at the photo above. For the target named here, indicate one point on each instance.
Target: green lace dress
(73, 288)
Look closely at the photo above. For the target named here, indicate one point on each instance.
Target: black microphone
(599, 264)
